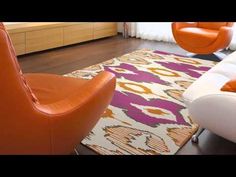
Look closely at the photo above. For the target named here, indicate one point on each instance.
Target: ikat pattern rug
(147, 115)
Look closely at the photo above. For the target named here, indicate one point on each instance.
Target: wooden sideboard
(38, 36)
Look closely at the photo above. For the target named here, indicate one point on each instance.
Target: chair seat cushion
(197, 37)
(50, 88)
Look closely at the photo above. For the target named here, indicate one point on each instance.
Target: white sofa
(210, 107)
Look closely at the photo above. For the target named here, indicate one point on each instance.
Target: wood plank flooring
(70, 58)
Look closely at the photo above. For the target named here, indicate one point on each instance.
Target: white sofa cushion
(206, 84)
(212, 80)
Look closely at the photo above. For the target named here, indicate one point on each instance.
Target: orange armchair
(44, 113)
(202, 37)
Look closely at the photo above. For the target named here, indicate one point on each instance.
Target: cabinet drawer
(105, 25)
(18, 40)
(104, 29)
(78, 33)
(44, 39)
(104, 33)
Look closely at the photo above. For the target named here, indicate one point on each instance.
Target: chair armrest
(179, 25)
(73, 118)
(224, 37)
(226, 31)
(217, 113)
(98, 89)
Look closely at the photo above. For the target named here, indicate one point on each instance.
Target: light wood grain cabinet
(104, 29)
(44, 39)
(18, 40)
(78, 33)
(32, 37)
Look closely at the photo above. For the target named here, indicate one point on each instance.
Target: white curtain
(232, 45)
(161, 31)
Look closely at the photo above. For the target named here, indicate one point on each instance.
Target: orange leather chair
(44, 113)
(202, 37)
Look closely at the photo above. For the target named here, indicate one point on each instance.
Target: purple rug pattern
(147, 114)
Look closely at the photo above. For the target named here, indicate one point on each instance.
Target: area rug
(147, 114)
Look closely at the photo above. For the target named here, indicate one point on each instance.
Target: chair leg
(217, 56)
(197, 134)
(76, 152)
(220, 55)
(189, 54)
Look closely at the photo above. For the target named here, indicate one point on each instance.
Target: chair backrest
(214, 25)
(13, 86)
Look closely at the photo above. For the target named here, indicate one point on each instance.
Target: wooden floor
(70, 58)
